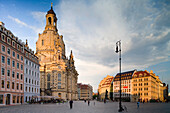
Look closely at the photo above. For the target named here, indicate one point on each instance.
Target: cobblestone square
(82, 107)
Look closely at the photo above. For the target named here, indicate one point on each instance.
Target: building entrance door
(8, 99)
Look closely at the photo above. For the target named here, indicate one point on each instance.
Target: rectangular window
(8, 60)
(1, 99)
(13, 44)
(3, 59)
(13, 53)
(14, 97)
(3, 71)
(13, 63)
(26, 70)
(8, 84)
(21, 76)
(8, 72)
(2, 84)
(32, 73)
(26, 61)
(21, 86)
(17, 86)
(17, 65)
(3, 48)
(9, 41)
(21, 58)
(17, 56)
(17, 46)
(13, 74)
(21, 67)
(17, 75)
(8, 51)
(3, 37)
(17, 99)
(12, 85)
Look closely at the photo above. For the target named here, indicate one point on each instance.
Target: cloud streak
(91, 30)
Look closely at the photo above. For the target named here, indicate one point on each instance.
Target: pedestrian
(94, 103)
(138, 104)
(88, 102)
(143, 101)
(104, 100)
(71, 104)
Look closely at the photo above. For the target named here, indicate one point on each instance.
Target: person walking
(71, 104)
(88, 102)
(138, 104)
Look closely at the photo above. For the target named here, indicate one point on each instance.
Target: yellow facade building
(105, 85)
(58, 75)
(146, 86)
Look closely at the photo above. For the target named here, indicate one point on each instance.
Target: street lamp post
(118, 49)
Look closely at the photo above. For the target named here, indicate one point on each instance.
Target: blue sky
(92, 27)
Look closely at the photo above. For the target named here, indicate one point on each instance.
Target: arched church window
(59, 77)
(42, 42)
(49, 20)
(48, 77)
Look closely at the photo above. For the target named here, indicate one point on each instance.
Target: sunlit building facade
(58, 75)
(12, 68)
(31, 75)
(104, 87)
(146, 86)
(126, 78)
(85, 91)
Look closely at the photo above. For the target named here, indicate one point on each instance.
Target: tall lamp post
(118, 50)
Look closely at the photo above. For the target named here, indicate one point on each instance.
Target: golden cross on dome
(51, 4)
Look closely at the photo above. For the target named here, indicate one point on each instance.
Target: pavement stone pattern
(82, 107)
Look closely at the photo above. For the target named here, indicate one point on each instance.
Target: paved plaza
(82, 107)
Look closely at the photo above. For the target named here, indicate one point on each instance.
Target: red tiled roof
(141, 74)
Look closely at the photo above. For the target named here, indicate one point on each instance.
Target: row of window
(13, 53)
(13, 42)
(13, 73)
(13, 85)
(33, 82)
(140, 94)
(15, 99)
(9, 62)
(140, 80)
(33, 73)
(28, 89)
(140, 84)
(33, 65)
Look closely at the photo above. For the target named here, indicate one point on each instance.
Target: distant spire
(26, 45)
(51, 4)
(71, 55)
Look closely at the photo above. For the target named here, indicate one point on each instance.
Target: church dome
(51, 11)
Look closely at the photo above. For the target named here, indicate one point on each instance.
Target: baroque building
(105, 87)
(11, 68)
(146, 86)
(58, 76)
(31, 75)
(126, 80)
(85, 91)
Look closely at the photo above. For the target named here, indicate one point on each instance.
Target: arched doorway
(8, 99)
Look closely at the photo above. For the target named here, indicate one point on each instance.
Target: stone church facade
(58, 76)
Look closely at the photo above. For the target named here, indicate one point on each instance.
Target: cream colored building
(104, 85)
(85, 91)
(58, 76)
(146, 86)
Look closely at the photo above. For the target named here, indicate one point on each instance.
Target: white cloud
(91, 29)
(23, 24)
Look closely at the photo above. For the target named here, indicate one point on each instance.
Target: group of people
(71, 103)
